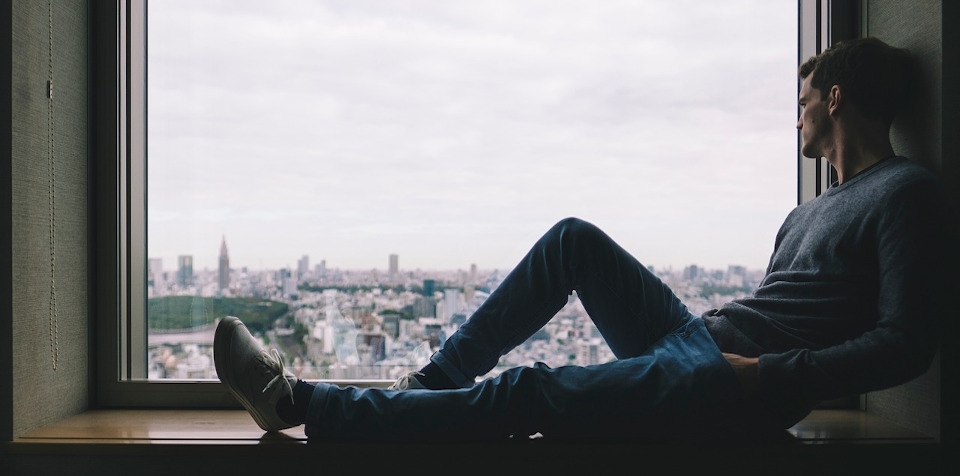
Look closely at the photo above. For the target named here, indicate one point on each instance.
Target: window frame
(821, 23)
(119, 33)
(118, 194)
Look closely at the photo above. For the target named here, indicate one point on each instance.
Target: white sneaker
(256, 378)
(408, 382)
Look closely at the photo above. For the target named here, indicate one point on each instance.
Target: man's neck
(858, 151)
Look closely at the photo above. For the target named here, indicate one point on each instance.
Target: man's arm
(916, 262)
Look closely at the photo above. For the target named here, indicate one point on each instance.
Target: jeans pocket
(688, 326)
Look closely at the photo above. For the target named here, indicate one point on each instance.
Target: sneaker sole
(222, 346)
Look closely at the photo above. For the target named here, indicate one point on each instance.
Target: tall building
(394, 265)
(288, 282)
(185, 270)
(588, 352)
(224, 269)
(290, 288)
(429, 286)
(303, 267)
(452, 303)
(321, 269)
(155, 282)
(424, 307)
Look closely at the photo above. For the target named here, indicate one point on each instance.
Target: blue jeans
(670, 379)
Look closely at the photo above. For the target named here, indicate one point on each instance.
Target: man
(850, 303)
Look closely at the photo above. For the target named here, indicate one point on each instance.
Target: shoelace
(276, 364)
(403, 382)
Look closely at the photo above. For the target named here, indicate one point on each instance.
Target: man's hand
(747, 370)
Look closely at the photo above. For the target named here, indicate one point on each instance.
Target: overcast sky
(457, 132)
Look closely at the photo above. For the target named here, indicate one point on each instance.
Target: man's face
(814, 121)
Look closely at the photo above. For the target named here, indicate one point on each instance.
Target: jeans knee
(573, 225)
(574, 230)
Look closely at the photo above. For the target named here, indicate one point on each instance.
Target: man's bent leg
(671, 391)
(631, 307)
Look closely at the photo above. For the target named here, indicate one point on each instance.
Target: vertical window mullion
(136, 188)
(809, 44)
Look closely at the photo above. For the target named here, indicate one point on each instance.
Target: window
(413, 123)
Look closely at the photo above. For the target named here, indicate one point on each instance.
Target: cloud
(457, 132)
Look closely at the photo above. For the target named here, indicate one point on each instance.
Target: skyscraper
(321, 269)
(394, 265)
(185, 270)
(224, 269)
(155, 279)
(303, 267)
(451, 303)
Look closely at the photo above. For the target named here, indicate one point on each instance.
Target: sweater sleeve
(914, 242)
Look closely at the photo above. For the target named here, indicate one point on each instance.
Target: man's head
(873, 75)
(866, 75)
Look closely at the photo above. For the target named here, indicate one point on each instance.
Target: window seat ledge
(199, 427)
(174, 441)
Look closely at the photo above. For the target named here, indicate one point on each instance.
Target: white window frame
(119, 199)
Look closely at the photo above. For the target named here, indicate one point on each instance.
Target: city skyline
(392, 264)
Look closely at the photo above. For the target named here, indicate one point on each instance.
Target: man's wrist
(747, 370)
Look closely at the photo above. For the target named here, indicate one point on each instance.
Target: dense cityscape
(369, 325)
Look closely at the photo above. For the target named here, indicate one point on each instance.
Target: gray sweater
(858, 282)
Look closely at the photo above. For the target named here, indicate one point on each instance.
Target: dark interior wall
(6, 276)
(925, 132)
(48, 319)
(917, 26)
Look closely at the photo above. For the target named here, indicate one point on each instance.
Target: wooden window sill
(220, 427)
(205, 442)
(160, 427)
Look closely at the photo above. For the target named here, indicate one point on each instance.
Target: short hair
(873, 75)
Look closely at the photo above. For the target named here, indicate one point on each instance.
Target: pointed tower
(224, 276)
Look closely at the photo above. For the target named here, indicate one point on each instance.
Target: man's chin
(810, 154)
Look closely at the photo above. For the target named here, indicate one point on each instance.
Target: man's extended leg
(675, 390)
(631, 307)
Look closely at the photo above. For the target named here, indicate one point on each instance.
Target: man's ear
(834, 99)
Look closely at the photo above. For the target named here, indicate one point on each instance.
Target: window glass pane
(353, 178)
